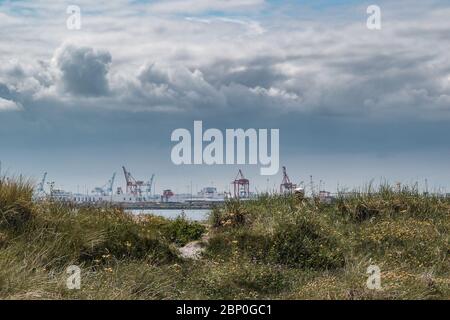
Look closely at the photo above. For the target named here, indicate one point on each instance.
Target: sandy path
(194, 249)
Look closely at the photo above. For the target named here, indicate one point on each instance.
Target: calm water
(196, 215)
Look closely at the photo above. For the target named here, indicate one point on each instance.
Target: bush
(232, 215)
(306, 244)
(59, 235)
(181, 231)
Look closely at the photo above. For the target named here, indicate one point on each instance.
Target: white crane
(106, 189)
(150, 185)
(40, 188)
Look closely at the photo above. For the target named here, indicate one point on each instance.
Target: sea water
(195, 214)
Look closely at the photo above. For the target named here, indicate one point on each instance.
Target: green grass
(274, 247)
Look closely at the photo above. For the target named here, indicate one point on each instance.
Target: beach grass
(274, 247)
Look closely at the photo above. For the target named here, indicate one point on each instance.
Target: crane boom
(111, 183)
(150, 185)
(42, 183)
(286, 185)
(127, 176)
(133, 186)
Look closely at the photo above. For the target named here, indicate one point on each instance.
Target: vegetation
(275, 247)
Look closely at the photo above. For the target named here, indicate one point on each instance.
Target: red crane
(134, 186)
(167, 194)
(286, 185)
(241, 186)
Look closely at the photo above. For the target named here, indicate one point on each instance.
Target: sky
(353, 105)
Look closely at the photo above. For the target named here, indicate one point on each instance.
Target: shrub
(232, 215)
(59, 235)
(307, 244)
(181, 231)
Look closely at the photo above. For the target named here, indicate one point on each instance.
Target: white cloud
(199, 6)
(8, 105)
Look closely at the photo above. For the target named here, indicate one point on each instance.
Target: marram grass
(273, 247)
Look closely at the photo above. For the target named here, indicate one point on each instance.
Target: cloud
(83, 70)
(136, 70)
(8, 105)
(172, 88)
(200, 6)
(5, 92)
(225, 63)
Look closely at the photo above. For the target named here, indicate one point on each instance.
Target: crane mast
(111, 184)
(286, 185)
(41, 185)
(150, 185)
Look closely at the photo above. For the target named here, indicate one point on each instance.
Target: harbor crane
(106, 189)
(167, 194)
(150, 185)
(241, 186)
(286, 185)
(40, 188)
(134, 186)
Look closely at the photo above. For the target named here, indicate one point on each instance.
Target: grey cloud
(247, 74)
(16, 71)
(83, 70)
(4, 92)
(290, 67)
(175, 88)
(153, 74)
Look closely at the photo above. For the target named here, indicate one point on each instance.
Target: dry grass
(274, 247)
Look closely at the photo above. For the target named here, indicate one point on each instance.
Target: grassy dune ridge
(273, 247)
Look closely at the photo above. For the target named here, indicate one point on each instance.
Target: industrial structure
(140, 194)
(136, 187)
(241, 186)
(286, 185)
(40, 189)
(107, 189)
(149, 189)
(167, 194)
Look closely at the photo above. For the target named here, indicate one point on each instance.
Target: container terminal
(140, 194)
